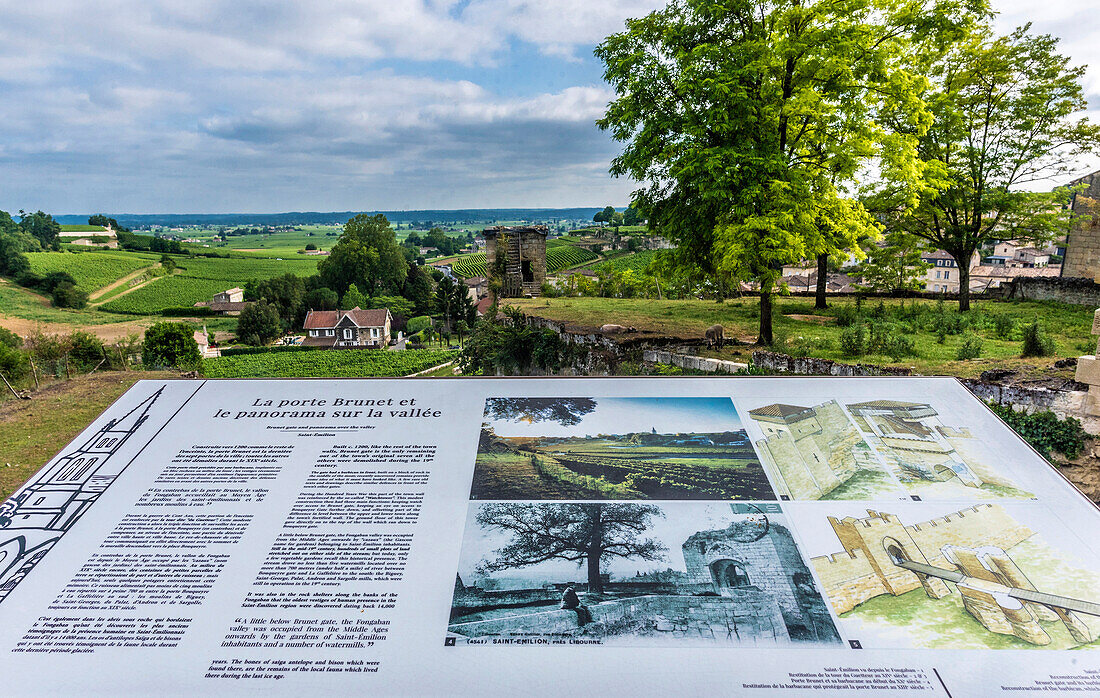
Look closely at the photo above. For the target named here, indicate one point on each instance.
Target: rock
(1069, 362)
(996, 375)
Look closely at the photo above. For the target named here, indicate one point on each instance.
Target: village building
(477, 287)
(355, 328)
(525, 258)
(228, 302)
(943, 274)
(97, 237)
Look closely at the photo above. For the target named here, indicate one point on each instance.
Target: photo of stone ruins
(743, 584)
(817, 453)
(932, 460)
(975, 578)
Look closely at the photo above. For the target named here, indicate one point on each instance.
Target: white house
(347, 328)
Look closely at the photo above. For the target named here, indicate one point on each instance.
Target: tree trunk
(822, 276)
(962, 259)
(595, 552)
(766, 294)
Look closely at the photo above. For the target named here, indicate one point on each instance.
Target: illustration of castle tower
(36, 516)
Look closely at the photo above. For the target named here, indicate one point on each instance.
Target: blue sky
(152, 106)
(634, 414)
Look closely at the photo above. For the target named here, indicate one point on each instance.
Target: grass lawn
(33, 431)
(802, 330)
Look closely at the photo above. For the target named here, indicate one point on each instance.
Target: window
(947, 275)
(329, 333)
(374, 332)
(937, 274)
(347, 333)
(313, 333)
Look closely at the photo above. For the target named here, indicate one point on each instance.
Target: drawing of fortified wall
(883, 556)
(911, 437)
(810, 450)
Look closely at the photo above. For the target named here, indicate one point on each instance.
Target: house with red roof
(347, 328)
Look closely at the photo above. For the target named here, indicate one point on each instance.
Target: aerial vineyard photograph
(303, 302)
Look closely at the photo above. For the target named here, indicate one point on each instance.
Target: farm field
(802, 330)
(198, 279)
(558, 257)
(656, 466)
(636, 262)
(350, 363)
(91, 270)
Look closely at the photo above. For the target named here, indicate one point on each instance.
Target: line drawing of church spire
(37, 515)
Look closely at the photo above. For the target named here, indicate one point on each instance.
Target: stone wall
(980, 525)
(1074, 289)
(784, 363)
(1083, 244)
(848, 579)
(694, 363)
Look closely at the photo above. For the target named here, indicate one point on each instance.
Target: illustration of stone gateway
(810, 450)
(967, 548)
(911, 435)
(745, 584)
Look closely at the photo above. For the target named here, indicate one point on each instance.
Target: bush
(898, 346)
(259, 323)
(1036, 342)
(852, 341)
(418, 323)
(846, 316)
(1003, 325)
(67, 295)
(969, 348)
(86, 352)
(170, 344)
(1044, 431)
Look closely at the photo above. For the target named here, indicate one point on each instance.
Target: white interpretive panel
(500, 536)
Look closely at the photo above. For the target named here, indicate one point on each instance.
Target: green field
(348, 363)
(91, 270)
(83, 229)
(558, 257)
(804, 331)
(198, 279)
(637, 262)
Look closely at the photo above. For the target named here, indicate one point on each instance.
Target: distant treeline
(473, 215)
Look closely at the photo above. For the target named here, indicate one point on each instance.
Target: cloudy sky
(156, 106)
(613, 415)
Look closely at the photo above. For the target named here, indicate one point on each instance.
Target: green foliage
(969, 348)
(170, 344)
(1004, 325)
(1045, 432)
(259, 323)
(509, 346)
(367, 255)
(1002, 112)
(89, 270)
(853, 340)
(85, 352)
(67, 295)
(416, 324)
(346, 363)
(42, 227)
(1036, 342)
(894, 265)
(322, 298)
(353, 299)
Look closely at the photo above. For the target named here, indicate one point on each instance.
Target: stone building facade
(1083, 246)
(525, 257)
(746, 558)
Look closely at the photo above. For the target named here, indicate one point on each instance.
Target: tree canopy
(367, 255)
(586, 534)
(1003, 121)
(747, 122)
(567, 411)
(170, 344)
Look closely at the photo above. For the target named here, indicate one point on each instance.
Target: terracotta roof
(900, 425)
(886, 405)
(200, 338)
(483, 305)
(781, 410)
(327, 319)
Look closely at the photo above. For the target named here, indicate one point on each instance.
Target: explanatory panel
(493, 536)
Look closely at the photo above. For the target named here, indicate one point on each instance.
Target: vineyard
(610, 471)
(558, 257)
(91, 270)
(637, 262)
(199, 279)
(334, 363)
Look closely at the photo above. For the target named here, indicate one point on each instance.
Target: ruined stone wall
(473, 597)
(1083, 246)
(1078, 288)
(783, 363)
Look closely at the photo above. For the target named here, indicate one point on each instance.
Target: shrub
(259, 323)
(86, 351)
(1044, 431)
(170, 344)
(852, 341)
(969, 348)
(1036, 342)
(898, 346)
(417, 324)
(846, 316)
(67, 295)
(1003, 325)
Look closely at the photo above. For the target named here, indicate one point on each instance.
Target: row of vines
(558, 257)
(326, 364)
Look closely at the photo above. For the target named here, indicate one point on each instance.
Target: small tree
(167, 263)
(894, 265)
(587, 534)
(259, 323)
(353, 298)
(67, 295)
(170, 344)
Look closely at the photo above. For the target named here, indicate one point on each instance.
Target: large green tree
(170, 344)
(747, 121)
(366, 255)
(42, 227)
(1006, 118)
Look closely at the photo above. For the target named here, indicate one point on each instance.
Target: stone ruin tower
(1083, 244)
(525, 258)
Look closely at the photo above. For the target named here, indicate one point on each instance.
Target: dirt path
(98, 293)
(107, 332)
